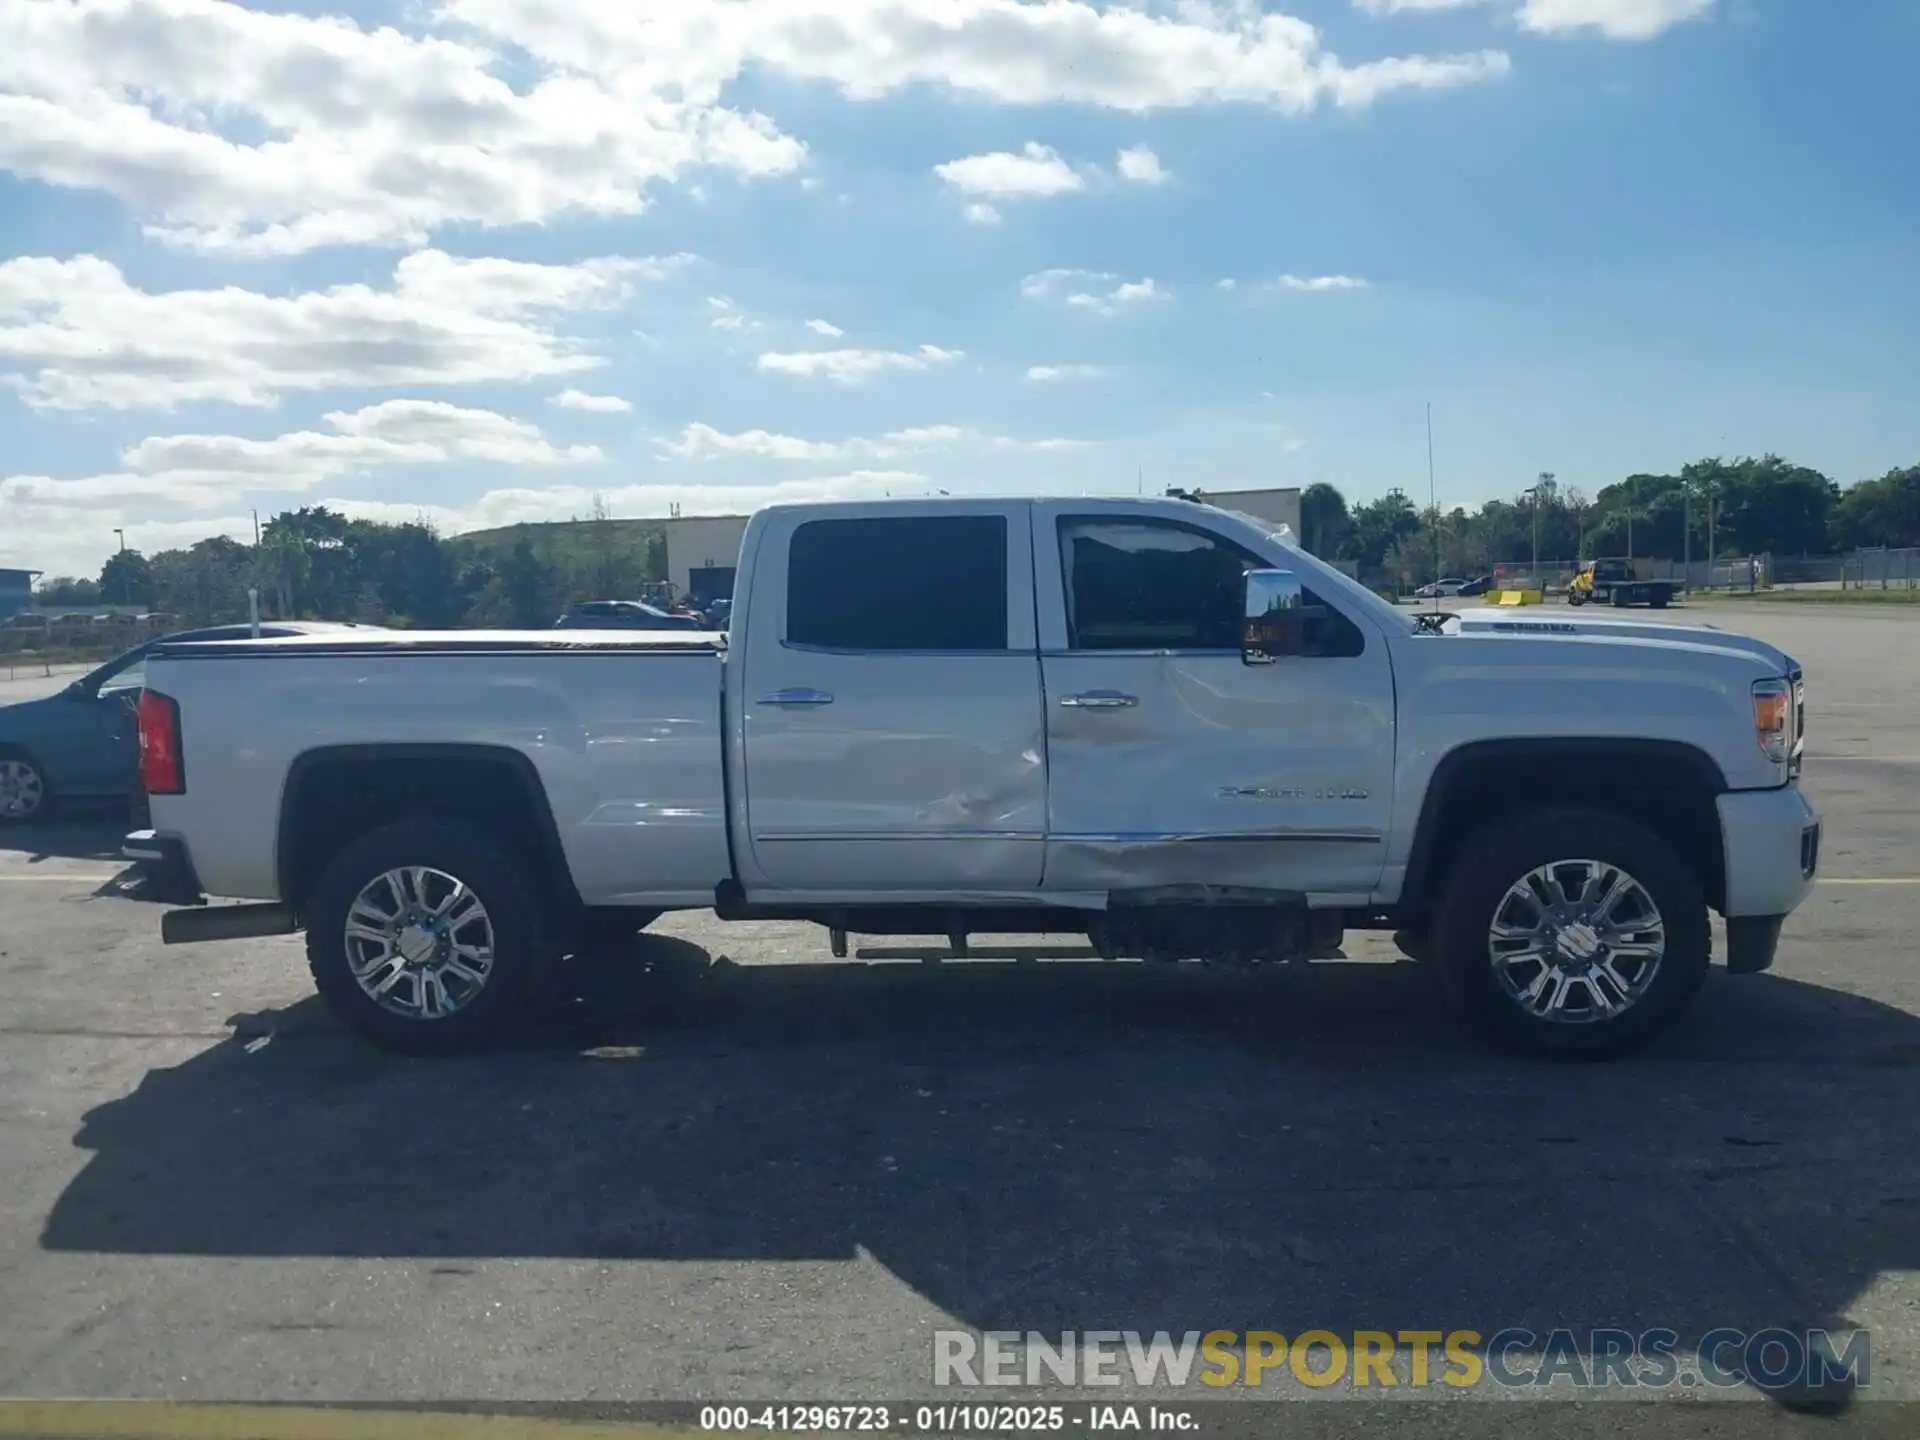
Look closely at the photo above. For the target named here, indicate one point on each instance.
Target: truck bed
(622, 730)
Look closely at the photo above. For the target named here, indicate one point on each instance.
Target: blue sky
(1599, 235)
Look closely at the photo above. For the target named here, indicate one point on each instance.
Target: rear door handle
(796, 695)
(1099, 700)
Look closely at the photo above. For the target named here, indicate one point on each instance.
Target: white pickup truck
(1151, 721)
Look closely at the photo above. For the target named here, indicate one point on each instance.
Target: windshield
(123, 672)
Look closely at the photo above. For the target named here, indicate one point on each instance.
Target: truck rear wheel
(427, 937)
(1572, 933)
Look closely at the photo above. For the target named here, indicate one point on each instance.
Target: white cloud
(729, 316)
(1140, 166)
(1065, 372)
(203, 471)
(1226, 284)
(74, 334)
(1613, 19)
(1096, 291)
(711, 497)
(1037, 170)
(853, 367)
(1318, 284)
(704, 442)
(700, 441)
(234, 129)
(1121, 57)
(592, 404)
(826, 328)
(268, 133)
(1406, 7)
(979, 213)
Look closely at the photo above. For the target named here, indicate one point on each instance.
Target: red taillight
(161, 769)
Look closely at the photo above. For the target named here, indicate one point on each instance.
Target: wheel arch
(1670, 786)
(334, 794)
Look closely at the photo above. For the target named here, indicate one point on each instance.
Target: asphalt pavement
(731, 1168)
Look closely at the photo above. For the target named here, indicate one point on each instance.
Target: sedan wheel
(23, 791)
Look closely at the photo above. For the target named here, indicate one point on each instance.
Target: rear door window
(900, 583)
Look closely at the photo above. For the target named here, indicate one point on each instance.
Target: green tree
(205, 584)
(1885, 512)
(67, 590)
(1380, 525)
(126, 579)
(1325, 526)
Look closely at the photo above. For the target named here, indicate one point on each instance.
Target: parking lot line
(67, 877)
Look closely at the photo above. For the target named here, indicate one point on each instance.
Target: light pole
(1686, 536)
(1711, 487)
(1543, 483)
(122, 534)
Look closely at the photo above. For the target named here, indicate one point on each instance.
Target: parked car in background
(1439, 589)
(1479, 585)
(83, 742)
(624, 615)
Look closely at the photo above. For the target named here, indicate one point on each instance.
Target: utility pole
(1711, 552)
(1544, 482)
(256, 528)
(1686, 535)
(123, 550)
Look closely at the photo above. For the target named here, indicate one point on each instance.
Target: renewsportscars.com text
(1512, 1358)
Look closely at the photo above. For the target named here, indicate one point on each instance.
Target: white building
(702, 551)
(1276, 507)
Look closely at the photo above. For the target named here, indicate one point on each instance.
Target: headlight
(1773, 718)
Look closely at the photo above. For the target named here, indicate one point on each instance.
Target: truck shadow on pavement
(88, 831)
(1054, 1147)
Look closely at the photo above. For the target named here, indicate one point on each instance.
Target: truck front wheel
(426, 937)
(1573, 933)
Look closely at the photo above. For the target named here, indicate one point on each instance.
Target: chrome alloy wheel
(419, 942)
(22, 791)
(1576, 941)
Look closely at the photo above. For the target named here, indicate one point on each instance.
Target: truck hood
(1626, 630)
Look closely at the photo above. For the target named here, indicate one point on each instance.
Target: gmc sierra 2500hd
(1152, 721)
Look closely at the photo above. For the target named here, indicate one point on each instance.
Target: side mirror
(1274, 623)
(78, 690)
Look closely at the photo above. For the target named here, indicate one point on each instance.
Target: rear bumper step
(225, 922)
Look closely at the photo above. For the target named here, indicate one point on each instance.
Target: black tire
(1575, 598)
(1660, 599)
(1619, 599)
(43, 810)
(1497, 859)
(514, 904)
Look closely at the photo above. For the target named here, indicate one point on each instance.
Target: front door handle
(796, 695)
(1099, 700)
